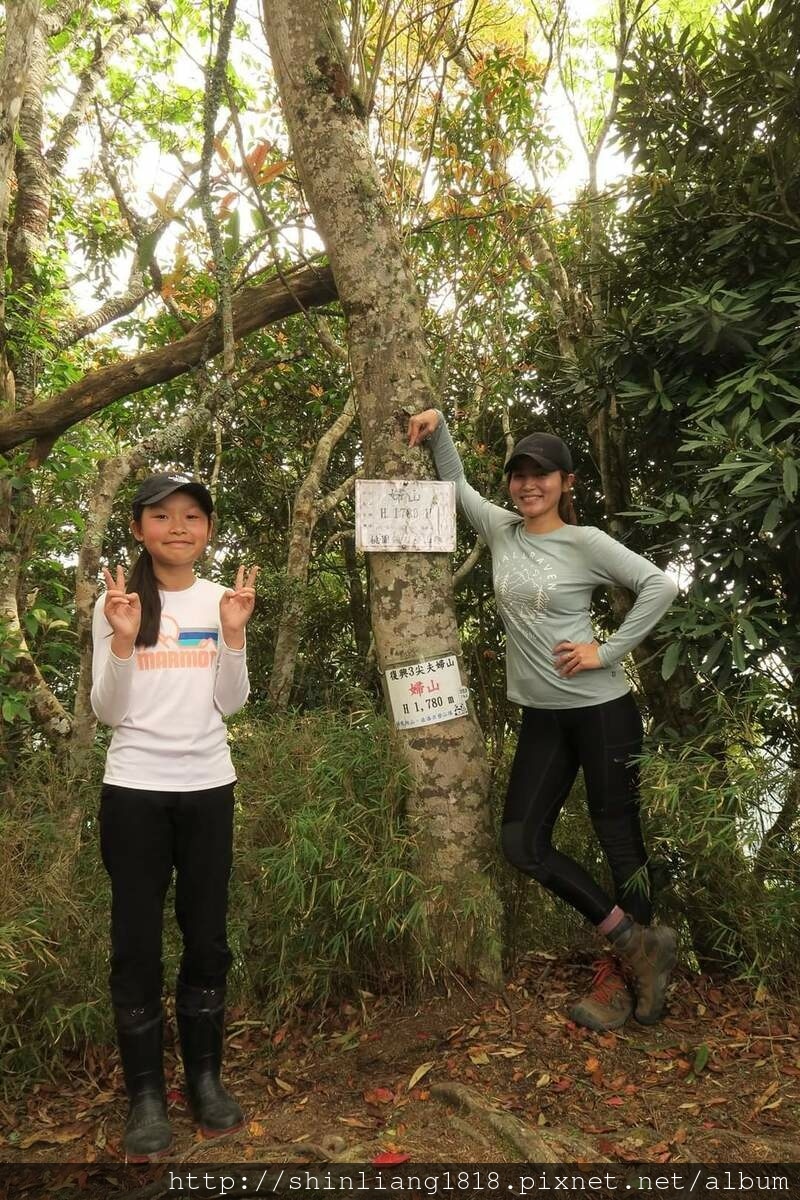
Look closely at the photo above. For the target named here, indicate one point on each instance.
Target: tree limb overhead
(253, 308)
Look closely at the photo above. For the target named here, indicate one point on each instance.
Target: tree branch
(253, 308)
(129, 24)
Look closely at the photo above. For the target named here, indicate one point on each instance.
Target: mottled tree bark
(21, 22)
(411, 595)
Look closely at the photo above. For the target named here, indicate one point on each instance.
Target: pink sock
(609, 923)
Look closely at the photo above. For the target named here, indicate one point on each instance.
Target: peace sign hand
(236, 608)
(123, 611)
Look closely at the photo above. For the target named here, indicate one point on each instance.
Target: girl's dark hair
(566, 509)
(143, 581)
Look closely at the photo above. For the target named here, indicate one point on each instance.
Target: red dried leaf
(389, 1158)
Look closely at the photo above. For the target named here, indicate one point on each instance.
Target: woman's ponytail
(566, 509)
(143, 581)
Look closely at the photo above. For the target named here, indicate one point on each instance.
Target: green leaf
(751, 475)
(670, 660)
(790, 478)
(738, 652)
(772, 516)
(751, 637)
(700, 1058)
(711, 658)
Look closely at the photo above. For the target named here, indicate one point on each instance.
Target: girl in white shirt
(169, 664)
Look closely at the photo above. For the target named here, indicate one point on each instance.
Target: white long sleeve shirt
(166, 702)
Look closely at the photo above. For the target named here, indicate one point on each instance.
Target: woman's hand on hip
(123, 611)
(573, 657)
(422, 425)
(236, 608)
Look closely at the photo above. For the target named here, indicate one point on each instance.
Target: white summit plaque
(405, 514)
(426, 693)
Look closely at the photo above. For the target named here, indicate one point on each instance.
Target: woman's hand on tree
(422, 425)
(123, 611)
(236, 608)
(574, 657)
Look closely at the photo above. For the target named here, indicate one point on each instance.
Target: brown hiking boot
(649, 954)
(609, 1003)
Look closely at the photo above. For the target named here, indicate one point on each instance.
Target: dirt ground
(717, 1081)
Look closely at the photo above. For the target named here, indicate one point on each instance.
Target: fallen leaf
(356, 1121)
(389, 1158)
(679, 1136)
(766, 1095)
(479, 1057)
(283, 1085)
(419, 1074)
(591, 1065)
(615, 1101)
(380, 1095)
(543, 1080)
(561, 1085)
(508, 1052)
(57, 1136)
(255, 1129)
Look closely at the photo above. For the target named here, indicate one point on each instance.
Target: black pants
(143, 835)
(553, 744)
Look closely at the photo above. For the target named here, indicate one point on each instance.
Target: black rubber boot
(140, 1034)
(201, 1021)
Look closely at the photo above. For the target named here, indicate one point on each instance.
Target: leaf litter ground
(717, 1081)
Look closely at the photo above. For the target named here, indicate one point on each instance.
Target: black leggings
(143, 837)
(553, 744)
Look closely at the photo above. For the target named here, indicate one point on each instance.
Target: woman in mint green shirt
(577, 708)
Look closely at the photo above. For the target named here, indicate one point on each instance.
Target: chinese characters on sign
(405, 514)
(427, 692)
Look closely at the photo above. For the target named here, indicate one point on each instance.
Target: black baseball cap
(156, 488)
(545, 449)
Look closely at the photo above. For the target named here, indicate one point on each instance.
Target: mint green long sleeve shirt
(543, 585)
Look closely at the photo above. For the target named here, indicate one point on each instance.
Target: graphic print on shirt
(179, 648)
(523, 591)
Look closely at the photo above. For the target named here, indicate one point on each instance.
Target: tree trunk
(306, 513)
(413, 613)
(21, 21)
